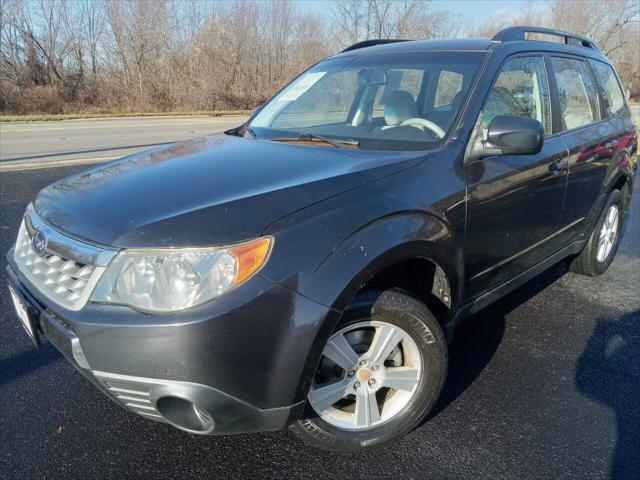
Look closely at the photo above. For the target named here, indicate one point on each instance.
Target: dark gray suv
(309, 267)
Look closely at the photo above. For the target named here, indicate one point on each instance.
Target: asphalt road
(94, 140)
(544, 384)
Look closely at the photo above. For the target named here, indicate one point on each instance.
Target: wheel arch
(619, 172)
(375, 257)
(618, 177)
(624, 184)
(389, 240)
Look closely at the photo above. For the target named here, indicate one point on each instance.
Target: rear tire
(413, 344)
(603, 243)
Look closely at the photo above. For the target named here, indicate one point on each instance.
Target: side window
(610, 88)
(521, 89)
(449, 85)
(576, 92)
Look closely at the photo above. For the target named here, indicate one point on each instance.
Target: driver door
(515, 202)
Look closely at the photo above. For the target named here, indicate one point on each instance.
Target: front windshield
(405, 101)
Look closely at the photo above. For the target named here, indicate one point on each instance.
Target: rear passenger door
(514, 204)
(589, 138)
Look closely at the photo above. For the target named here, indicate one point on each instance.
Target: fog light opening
(185, 414)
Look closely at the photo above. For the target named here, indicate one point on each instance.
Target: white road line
(36, 128)
(13, 166)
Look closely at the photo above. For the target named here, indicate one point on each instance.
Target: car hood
(207, 191)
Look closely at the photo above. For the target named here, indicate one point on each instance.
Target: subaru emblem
(39, 242)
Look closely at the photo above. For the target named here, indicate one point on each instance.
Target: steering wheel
(423, 123)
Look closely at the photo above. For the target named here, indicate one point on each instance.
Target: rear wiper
(312, 137)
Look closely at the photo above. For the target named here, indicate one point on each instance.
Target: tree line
(66, 56)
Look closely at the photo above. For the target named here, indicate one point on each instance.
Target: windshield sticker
(301, 86)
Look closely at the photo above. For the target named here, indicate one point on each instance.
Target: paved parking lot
(544, 384)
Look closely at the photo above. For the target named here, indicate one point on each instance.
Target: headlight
(167, 280)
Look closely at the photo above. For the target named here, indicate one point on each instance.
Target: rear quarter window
(610, 89)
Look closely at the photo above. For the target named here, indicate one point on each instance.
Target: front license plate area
(25, 316)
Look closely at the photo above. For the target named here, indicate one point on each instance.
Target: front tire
(603, 243)
(381, 373)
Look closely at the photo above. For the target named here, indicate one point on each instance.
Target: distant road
(635, 110)
(93, 140)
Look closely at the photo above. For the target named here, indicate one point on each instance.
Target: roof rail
(371, 43)
(511, 34)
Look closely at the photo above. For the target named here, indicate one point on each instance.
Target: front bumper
(237, 364)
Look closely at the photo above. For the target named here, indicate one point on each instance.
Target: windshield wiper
(312, 137)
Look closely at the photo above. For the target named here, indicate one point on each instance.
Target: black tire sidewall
(413, 317)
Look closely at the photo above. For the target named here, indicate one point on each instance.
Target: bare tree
(91, 19)
(159, 55)
(608, 23)
(357, 20)
(351, 19)
(614, 25)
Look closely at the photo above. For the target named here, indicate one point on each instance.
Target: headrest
(400, 106)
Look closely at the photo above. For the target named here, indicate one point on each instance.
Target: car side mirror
(510, 135)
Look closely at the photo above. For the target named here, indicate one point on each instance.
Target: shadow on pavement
(26, 362)
(608, 371)
(478, 338)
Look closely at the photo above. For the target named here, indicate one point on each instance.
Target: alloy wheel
(368, 374)
(608, 233)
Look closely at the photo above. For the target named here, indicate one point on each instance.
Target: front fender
(368, 251)
(378, 245)
(328, 251)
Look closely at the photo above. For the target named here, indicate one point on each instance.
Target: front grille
(63, 280)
